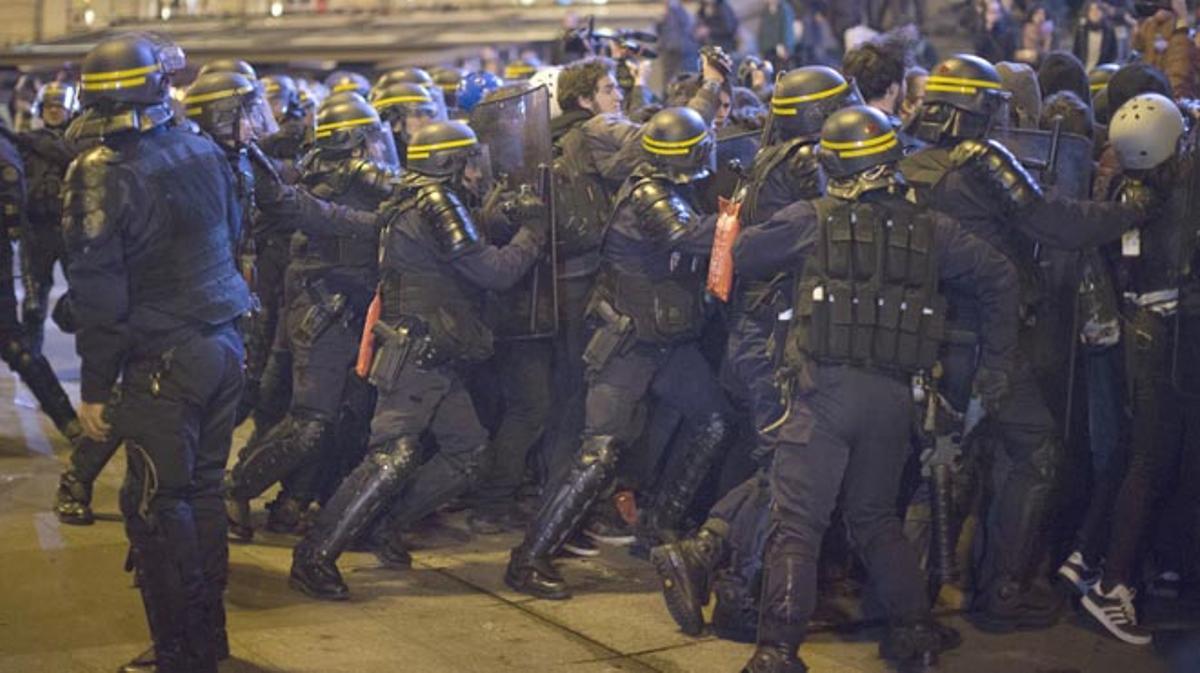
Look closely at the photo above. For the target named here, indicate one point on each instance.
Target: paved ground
(66, 606)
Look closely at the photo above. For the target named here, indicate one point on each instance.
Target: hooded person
(1025, 106)
(1063, 71)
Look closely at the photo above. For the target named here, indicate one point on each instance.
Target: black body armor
(869, 296)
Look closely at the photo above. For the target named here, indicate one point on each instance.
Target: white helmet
(1145, 131)
(548, 77)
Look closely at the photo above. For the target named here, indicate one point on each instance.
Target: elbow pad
(448, 219)
(662, 214)
(370, 179)
(998, 171)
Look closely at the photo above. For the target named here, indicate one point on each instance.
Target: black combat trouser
(853, 431)
(523, 372)
(176, 414)
(42, 247)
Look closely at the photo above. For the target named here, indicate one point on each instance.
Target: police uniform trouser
(419, 400)
(750, 361)
(176, 415)
(858, 424)
(523, 373)
(570, 386)
(45, 246)
(1029, 436)
(319, 373)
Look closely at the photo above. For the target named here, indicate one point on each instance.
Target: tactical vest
(1161, 254)
(446, 302)
(191, 272)
(868, 295)
(665, 309)
(44, 181)
(329, 182)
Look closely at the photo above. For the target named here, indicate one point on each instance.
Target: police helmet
(963, 95)
(345, 80)
(679, 143)
(447, 79)
(348, 127)
(410, 75)
(229, 107)
(1145, 131)
(806, 96)
(398, 102)
(61, 95)
(230, 65)
(1098, 77)
(474, 87)
(442, 149)
(283, 94)
(130, 69)
(856, 139)
(523, 68)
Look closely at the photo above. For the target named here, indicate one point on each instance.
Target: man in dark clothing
(151, 222)
(991, 194)
(648, 306)
(865, 323)
(434, 271)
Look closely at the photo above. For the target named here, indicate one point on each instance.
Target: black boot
(288, 445)
(679, 483)
(356, 504)
(529, 568)
(775, 658)
(735, 615)
(685, 568)
(1011, 606)
(73, 502)
(917, 643)
(285, 514)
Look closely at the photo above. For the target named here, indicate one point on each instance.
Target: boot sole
(308, 591)
(690, 621)
(1098, 614)
(528, 591)
(75, 520)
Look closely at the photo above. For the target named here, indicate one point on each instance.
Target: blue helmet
(474, 86)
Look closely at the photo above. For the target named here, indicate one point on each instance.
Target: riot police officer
(434, 273)
(293, 113)
(230, 65)
(785, 170)
(32, 367)
(341, 81)
(981, 184)
(151, 223)
(869, 315)
(406, 108)
(46, 154)
(330, 282)
(648, 305)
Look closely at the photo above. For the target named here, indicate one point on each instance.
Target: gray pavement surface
(67, 607)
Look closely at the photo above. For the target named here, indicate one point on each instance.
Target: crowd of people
(776, 327)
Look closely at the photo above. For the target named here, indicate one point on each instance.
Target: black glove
(268, 186)
(992, 387)
(999, 172)
(718, 59)
(530, 212)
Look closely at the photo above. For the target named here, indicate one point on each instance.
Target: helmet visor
(379, 146)
(258, 120)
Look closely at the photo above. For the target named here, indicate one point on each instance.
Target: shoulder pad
(661, 213)
(447, 217)
(93, 195)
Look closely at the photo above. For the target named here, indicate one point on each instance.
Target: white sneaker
(1076, 571)
(1116, 613)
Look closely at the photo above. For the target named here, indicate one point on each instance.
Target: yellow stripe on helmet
(325, 130)
(118, 74)
(423, 151)
(867, 151)
(217, 95)
(394, 100)
(115, 84)
(809, 97)
(858, 144)
(652, 144)
(943, 80)
(348, 85)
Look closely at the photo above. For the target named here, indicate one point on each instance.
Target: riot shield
(1062, 162)
(514, 131)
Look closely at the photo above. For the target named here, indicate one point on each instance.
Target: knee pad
(400, 454)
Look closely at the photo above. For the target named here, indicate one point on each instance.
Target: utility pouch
(611, 338)
(326, 309)
(398, 347)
